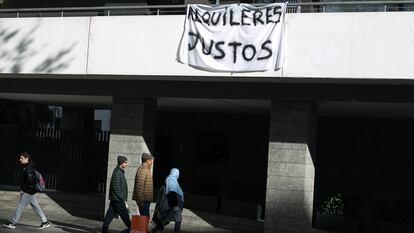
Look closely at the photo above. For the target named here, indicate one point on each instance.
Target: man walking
(143, 185)
(118, 194)
(27, 193)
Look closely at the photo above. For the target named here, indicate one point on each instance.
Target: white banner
(233, 38)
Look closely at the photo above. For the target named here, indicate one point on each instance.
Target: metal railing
(295, 7)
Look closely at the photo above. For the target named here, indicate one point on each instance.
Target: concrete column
(290, 173)
(132, 133)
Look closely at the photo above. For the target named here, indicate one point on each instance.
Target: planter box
(336, 223)
(385, 227)
(201, 202)
(241, 209)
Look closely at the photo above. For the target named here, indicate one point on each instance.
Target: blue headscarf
(172, 183)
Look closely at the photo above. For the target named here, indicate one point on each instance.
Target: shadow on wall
(18, 50)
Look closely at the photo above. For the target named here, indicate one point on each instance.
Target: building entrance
(221, 154)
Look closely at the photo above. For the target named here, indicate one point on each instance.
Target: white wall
(351, 45)
(337, 45)
(44, 45)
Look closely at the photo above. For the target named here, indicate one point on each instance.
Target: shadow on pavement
(84, 213)
(90, 206)
(21, 226)
(87, 205)
(74, 228)
(231, 223)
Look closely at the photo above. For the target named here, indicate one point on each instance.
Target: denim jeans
(116, 207)
(25, 199)
(144, 209)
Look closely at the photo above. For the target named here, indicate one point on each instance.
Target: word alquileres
(228, 16)
(235, 38)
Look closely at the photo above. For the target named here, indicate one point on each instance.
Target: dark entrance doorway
(366, 155)
(221, 155)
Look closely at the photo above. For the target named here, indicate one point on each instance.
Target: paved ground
(63, 221)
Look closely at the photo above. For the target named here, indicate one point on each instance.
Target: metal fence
(71, 160)
(294, 6)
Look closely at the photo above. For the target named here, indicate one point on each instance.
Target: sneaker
(10, 225)
(44, 225)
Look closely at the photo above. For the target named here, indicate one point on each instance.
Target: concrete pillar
(132, 133)
(290, 173)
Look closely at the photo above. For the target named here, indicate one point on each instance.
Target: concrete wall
(339, 45)
(44, 45)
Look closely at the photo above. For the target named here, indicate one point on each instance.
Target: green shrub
(333, 205)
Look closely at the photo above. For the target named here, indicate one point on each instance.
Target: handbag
(139, 224)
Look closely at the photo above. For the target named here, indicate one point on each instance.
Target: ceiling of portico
(64, 100)
(325, 108)
(164, 104)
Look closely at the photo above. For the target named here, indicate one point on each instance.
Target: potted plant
(331, 216)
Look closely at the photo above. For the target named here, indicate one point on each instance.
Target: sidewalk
(63, 221)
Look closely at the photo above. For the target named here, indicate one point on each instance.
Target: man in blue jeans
(27, 193)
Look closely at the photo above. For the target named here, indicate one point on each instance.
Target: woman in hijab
(170, 202)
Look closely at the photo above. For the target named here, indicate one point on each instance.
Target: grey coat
(163, 210)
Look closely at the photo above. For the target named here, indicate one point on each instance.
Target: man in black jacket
(118, 194)
(27, 193)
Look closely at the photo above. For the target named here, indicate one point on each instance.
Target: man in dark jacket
(27, 193)
(118, 194)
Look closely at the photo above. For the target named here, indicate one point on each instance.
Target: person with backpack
(170, 203)
(28, 182)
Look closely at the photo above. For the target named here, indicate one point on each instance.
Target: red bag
(139, 224)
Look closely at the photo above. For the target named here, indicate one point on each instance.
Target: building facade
(272, 138)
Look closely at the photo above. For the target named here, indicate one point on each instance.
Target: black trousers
(119, 208)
